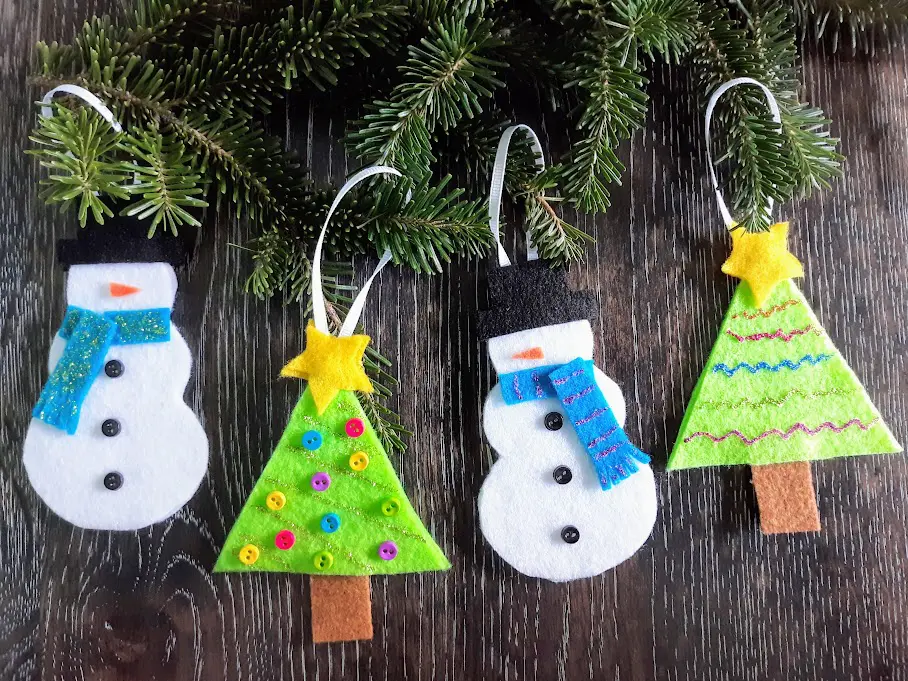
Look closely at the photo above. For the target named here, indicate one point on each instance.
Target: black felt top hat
(125, 239)
(529, 295)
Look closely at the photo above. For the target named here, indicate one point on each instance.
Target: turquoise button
(330, 523)
(312, 440)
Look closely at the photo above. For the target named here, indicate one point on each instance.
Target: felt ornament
(329, 503)
(569, 495)
(775, 393)
(111, 444)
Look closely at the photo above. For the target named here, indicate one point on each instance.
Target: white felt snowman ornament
(569, 496)
(112, 445)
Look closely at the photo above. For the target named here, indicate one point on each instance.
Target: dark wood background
(708, 597)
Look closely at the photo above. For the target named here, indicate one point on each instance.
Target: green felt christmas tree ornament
(329, 503)
(775, 393)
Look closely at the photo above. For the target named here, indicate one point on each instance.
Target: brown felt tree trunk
(786, 498)
(341, 608)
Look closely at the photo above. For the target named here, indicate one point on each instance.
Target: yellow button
(359, 461)
(390, 506)
(323, 560)
(276, 501)
(249, 554)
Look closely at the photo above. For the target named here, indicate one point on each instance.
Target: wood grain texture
(708, 597)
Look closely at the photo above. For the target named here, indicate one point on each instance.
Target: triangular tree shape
(330, 504)
(774, 391)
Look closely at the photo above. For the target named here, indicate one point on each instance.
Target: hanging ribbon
(776, 117)
(319, 310)
(497, 188)
(47, 110)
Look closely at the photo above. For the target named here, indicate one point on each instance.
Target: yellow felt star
(762, 260)
(330, 364)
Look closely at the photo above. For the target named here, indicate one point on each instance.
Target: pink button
(321, 482)
(387, 551)
(355, 427)
(285, 539)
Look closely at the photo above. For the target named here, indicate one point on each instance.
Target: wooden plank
(709, 597)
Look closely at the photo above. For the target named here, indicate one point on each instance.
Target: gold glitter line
(340, 470)
(350, 509)
(776, 401)
(317, 537)
(767, 313)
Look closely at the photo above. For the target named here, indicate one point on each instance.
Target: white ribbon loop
(319, 311)
(497, 188)
(776, 117)
(47, 110)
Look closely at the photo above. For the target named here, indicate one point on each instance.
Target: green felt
(754, 404)
(356, 497)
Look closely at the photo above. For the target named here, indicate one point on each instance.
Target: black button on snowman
(549, 505)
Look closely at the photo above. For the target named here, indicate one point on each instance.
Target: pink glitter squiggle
(570, 399)
(798, 427)
(787, 337)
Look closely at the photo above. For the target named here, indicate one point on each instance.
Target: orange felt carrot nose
(532, 353)
(118, 290)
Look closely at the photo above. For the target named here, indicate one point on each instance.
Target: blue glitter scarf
(574, 384)
(89, 336)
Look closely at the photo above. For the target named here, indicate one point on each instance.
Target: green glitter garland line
(775, 401)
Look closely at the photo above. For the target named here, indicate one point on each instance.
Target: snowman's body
(160, 451)
(523, 509)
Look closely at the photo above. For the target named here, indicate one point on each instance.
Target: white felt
(88, 286)
(522, 510)
(560, 343)
(161, 451)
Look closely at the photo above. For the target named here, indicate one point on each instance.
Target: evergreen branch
(664, 27)
(444, 80)
(320, 43)
(556, 240)
(862, 21)
(168, 181)
(76, 148)
(614, 106)
(767, 161)
(423, 227)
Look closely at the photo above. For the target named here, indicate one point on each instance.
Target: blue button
(312, 440)
(330, 522)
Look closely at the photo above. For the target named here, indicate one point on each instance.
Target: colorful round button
(312, 440)
(387, 551)
(276, 501)
(355, 427)
(359, 461)
(331, 522)
(323, 560)
(284, 540)
(249, 554)
(390, 506)
(320, 482)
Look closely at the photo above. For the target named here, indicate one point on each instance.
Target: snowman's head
(121, 286)
(534, 319)
(116, 266)
(555, 344)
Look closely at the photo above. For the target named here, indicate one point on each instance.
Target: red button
(355, 427)
(284, 540)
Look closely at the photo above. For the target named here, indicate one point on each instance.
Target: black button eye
(113, 481)
(554, 420)
(114, 368)
(570, 535)
(562, 475)
(110, 427)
